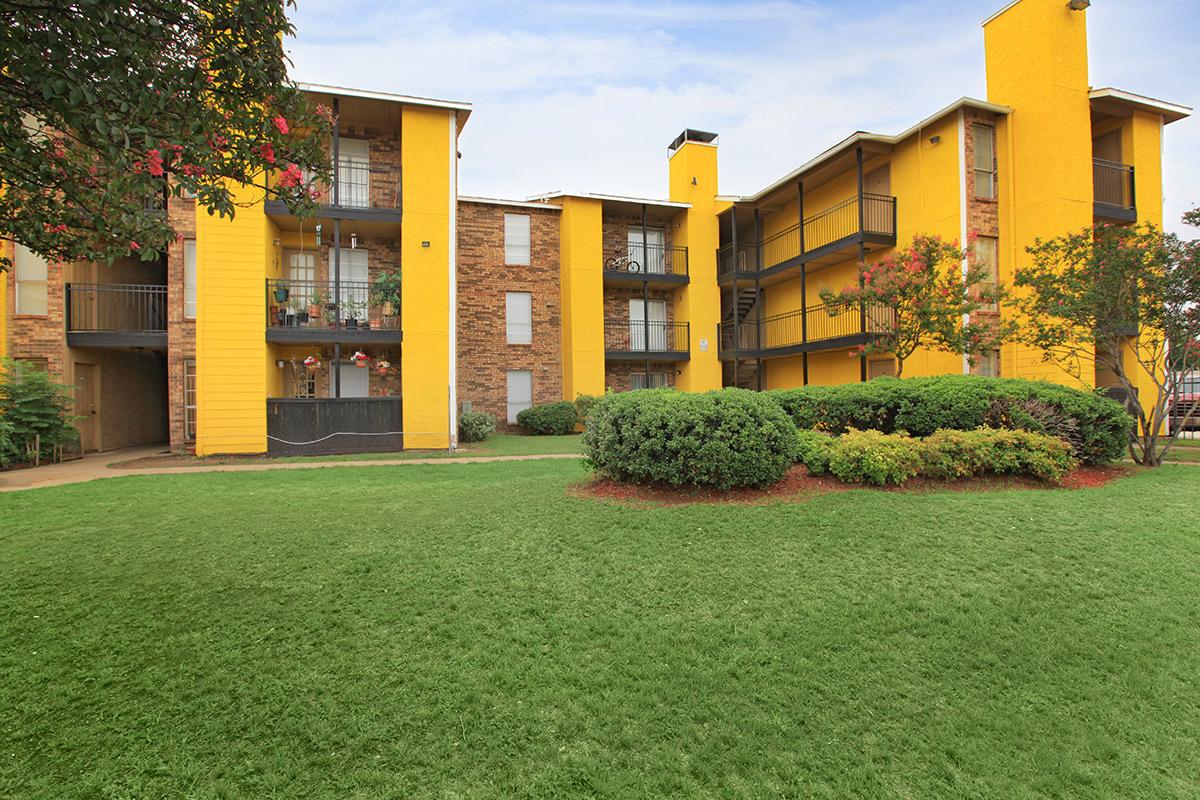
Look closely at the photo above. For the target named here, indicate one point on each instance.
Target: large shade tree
(923, 296)
(1126, 300)
(104, 105)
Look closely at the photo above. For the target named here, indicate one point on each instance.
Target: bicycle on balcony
(627, 263)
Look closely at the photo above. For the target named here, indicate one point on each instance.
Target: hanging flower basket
(281, 294)
(383, 367)
(360, 359)
(312, 363)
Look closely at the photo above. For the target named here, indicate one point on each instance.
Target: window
(189, 278)
(518, 316)
(354, 173)
(985, 256)
(189, 399)
(520, 392)
(355, 381)
(985, 161)
(516, 239)
(880, 367)
(651, 259)
(658, 380)
(354, 270)
(653, 326)
(987, 364)
(31, 274)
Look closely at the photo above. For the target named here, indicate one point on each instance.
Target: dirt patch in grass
(799, 486)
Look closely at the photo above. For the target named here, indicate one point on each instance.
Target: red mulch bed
(798, 486)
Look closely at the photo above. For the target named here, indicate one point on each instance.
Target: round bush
(549, 419)
(813, 451)
(475, 426)
(726, 438)
(875, 458)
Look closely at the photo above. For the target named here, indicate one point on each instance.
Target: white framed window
(984, 157)
(189, 399)
(650, 258)
(647, 319)
(354, 173)
(354, 268)
(516, 239)
(520, 392)
(189, 278)
(31, 276)
(987, 364)
(986, 251)
(657, 380)
(518, 317)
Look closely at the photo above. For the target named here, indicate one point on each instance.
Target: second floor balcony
(828, 237)
(312, 311)
(638, 340)
(654, 264)
(1112, 185)
(116, 315)
(815, 328)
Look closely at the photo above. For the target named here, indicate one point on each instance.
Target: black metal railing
(651, 259)
(838, 222)
(328, 305)
(115, 307)
(1113, 183)
(635, 336)
(353, 180)
(817, 323)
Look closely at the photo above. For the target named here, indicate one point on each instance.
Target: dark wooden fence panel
(326, 425)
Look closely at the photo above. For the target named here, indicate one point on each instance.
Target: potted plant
(360, 359)
(316, 305)
(385, 293)
(312, 363)
(281, 294)
(383, 367)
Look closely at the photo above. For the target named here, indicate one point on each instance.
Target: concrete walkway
(95, 467)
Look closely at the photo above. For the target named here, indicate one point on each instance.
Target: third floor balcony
(1113, 186)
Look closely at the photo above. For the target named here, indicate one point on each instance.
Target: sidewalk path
(95, 467)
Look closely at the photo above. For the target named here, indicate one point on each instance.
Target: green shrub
(583, 407)
(549, 419)
(475, 426)
(813, 451)
(36, 409)
(1096, 427)
(726, 438)
(8, 448)
(874, 457)
(962, 454)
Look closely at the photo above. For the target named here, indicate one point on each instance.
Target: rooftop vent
(691, 135)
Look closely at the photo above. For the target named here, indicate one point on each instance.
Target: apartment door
(355, 380)
(355, 271)
(652, 324)
(302, 275)
(877, 214)
(354, 173)
(87, 399)
(651, 258)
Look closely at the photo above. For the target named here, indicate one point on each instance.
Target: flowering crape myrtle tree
(1126, 300)
(104, 105)
(920, 298)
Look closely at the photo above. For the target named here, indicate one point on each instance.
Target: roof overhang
(619, 203)
(495, 201)
(1120, 103)
(461, 109)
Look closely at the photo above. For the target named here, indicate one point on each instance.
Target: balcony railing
(825, 228)
(97, 307)
(650, 260)
(353, 180)
(1113, 183)
(802, 327)
(328, 305)
(636, 336)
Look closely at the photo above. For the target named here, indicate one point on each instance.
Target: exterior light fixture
(1079, 5)
(935, 139)
(354, 241)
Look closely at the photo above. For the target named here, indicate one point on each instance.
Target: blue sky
(586, 95)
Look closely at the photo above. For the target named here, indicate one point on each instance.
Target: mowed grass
(471, 631)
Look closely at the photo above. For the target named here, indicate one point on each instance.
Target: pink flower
(154, 163)
(281, 124)
(267, 151)
(134, 246)
(290, 177)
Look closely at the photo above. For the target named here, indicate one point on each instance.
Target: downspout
(452, 250)
(962, 215)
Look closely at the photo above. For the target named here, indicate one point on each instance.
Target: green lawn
(471, 631)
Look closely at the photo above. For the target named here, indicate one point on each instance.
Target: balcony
(635, 340)
(316, 312)
(116, 315)
(1112, 184)
(803, 331)
(354, 194)
(655, 265)
(826, 238)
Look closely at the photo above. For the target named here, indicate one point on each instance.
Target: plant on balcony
(385, 293)
(280, 294)
(312, 363)
(918, 299)
(316, 307)
(222, 113)
(383, 367)
(360, 359)
(1127, 301)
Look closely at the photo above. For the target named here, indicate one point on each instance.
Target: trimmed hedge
(475, 426)
(813, 451)
(873, 457)
(726, 438)
(549, 419)
(1096, 427)
(949, 455)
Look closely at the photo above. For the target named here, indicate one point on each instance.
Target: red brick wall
(181, 332)
(618, 374)
(39, 337)
(983, 214)
(484, 355)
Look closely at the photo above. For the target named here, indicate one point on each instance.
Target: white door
(354, 171)
(302, 272)
(655, 326)
(520, 392)
(355, 380)
(652, 257)
(355, 272)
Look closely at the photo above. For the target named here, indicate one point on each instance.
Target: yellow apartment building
(403, 303)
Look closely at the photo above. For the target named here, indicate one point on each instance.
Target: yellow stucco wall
(693, 179)
(231, 387)
(1037, 63)
(581, 264)
(428, 143)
